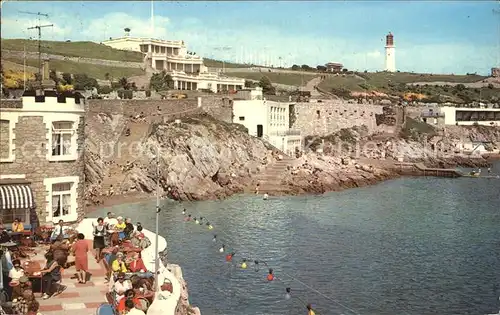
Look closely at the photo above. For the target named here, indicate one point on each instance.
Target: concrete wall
(331, 116)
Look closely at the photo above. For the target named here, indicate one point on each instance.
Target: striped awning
(16, 196)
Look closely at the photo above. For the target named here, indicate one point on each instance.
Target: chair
(106, 309)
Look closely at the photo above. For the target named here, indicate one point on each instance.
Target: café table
(32, 271)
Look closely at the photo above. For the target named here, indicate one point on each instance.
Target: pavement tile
(93, 304)
(73, 306)
(51, 307)
(67, 295)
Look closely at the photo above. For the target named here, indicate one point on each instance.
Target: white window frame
(73, 150)
(73, 212)
(62, 133)
(12, 118)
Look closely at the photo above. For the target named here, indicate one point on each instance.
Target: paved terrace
(79, 299)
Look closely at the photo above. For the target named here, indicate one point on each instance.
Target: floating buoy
(265, 197)
(221, 249)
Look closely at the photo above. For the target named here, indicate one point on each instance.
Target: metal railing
(289, 132)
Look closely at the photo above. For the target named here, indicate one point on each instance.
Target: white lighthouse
(390, 53)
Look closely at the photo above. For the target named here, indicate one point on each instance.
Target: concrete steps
(271, 177)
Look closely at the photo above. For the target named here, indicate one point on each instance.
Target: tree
(124, 83)
(345, 70)
(266, 85)
(249, 84)
(83, 82)
(295, 67)
(67, 78)
(305, 67)
(161, 81)
(321, 68)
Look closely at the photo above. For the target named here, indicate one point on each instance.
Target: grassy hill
(396, 84)
(73, 49)
(92, 70)
(212, 63)
(288, 78)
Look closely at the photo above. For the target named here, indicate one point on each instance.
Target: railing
(431, 115)
(289, 132)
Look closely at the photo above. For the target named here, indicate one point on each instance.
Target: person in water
(310, 310)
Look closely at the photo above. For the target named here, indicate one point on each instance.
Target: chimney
(45, 70)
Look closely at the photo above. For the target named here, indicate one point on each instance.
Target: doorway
(260, 131)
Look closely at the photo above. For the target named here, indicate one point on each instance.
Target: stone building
(41, 158)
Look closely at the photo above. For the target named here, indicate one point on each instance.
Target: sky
(430, 36)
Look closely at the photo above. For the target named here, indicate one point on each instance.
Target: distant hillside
(405, 84)
(73, 49)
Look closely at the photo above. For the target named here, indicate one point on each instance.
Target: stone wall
(331, 116)
(131, 108)
(31, 147)
(4, 139)
(218, 107)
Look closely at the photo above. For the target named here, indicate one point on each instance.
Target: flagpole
(157, 262)
(24, 68)
(152, 19)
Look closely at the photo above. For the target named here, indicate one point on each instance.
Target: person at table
(131, 308)
(110, 221)
(4, 235)
(119, 264)
(50, 274)
(81, 249)
(120, 227)
(59, 232)
(137, 265)
(129, 295)
(121, 286)
(99, 234)
(129, 227)
(15, 275)
(17, 226)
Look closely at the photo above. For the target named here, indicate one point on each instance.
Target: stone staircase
(270, 178)
(126, 149)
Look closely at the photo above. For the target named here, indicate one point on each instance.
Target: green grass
(93, 71)
(74, 49)
(348, 82)
(295, 79)
(382, 79)
(211, 63)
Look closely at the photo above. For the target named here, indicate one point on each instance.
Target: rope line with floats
(246, 262)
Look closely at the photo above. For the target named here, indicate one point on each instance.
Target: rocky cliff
(200, 158)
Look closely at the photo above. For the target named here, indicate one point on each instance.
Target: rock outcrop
(200, 158)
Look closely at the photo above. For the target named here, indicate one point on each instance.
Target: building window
(62, 133)
(9, 215)
(61, 200)
(241, 118)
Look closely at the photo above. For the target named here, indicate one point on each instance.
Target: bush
(125, 94)
(104, 90)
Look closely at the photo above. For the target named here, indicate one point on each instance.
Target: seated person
(4, 235)
(121, 286)
(120, 227)
(15, 275)
(137, 264)
(51, 273)
(17, 226)
(129, 228)
(131, 309)
(59, 232)
(118, 265)
(129, 295)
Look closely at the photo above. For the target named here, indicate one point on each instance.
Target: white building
(41, 158)
(390, 53)
(486, 116)
(186, 68)
(266, 119)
